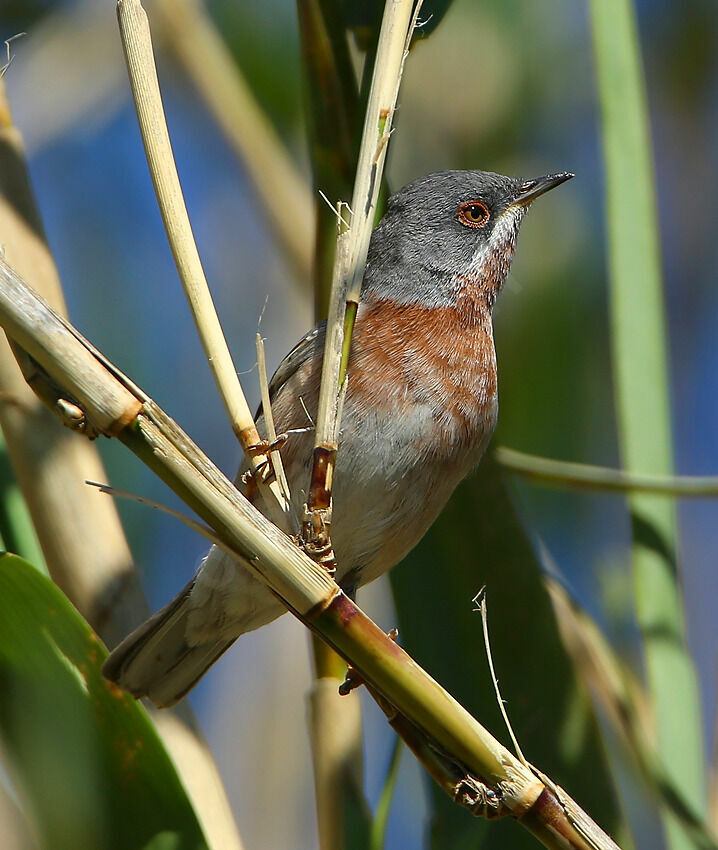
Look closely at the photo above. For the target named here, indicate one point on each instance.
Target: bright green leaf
(638, 333)
(89, 766)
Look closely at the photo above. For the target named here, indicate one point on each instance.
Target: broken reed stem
(349, 263)
(274, 454)
(482, 609)
(352, 242)
(302, 584)
(316, 520)
(586, 476)
(352, 245)
(137, 44)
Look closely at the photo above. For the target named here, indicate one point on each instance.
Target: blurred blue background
(504, 86)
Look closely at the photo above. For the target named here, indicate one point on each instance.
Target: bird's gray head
(449, 231)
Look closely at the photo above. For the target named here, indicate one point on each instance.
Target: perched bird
(420, 409)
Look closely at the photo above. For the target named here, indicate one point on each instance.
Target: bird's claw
(264, 471)
(265, 447)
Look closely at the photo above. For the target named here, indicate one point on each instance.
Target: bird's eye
(473, 213)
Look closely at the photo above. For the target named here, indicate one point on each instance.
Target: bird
(420, 408)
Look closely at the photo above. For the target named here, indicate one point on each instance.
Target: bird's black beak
(531, 189)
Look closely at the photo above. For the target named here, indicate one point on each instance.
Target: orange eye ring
(473, 213)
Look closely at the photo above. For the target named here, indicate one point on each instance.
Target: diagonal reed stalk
(337, 758)
(137, 44)
(638, 327)
(111, 404)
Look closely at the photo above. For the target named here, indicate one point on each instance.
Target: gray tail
(155, 660)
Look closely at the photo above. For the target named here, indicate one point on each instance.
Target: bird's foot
(264, 471)
(265, 447)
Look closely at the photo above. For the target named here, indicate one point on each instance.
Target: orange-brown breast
(443, 356)
(419, 411)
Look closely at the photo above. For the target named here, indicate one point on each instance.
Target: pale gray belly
(391, 482)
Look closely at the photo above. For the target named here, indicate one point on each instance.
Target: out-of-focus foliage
(478, 543)
(644, 421)
(85, 757)
(23, 13)
(16, 531)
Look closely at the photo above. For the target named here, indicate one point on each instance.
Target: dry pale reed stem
(350, 260)
(352, 245)
(282, 191)
(137, 44)
(316, 528)
(274, 454)
(337, 759)
(326, 426)
(396, 31)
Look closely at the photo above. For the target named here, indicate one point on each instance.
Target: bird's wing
(302, 351)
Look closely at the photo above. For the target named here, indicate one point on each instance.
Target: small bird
(420, 409)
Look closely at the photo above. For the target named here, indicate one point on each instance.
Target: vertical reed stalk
(640, 370)
(326, 58)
